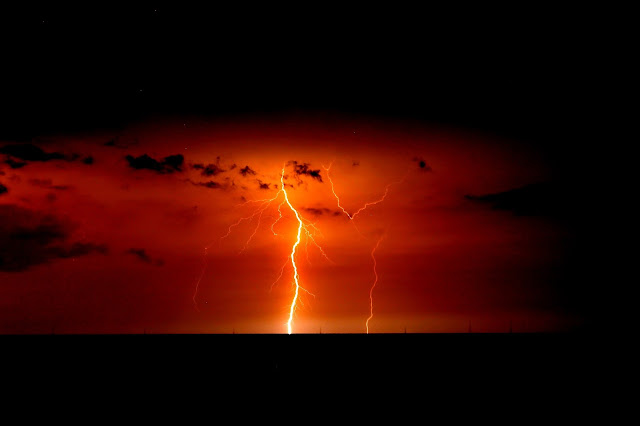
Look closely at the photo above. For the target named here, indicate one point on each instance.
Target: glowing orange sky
(445, 261)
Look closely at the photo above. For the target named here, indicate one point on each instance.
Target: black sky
(513, 71)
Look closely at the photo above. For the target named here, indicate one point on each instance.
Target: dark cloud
(142, 255)
(18, 155)
(14, 164)
(247, 171)
(209, 169)
(30, 152)
(3, 189)
(264, 185)
(538, 199)
(168, 165)
(88, 160)
(304, 169)
(29, 238)
(355, 163)
(144, 162)
(422, 164)
(174, 161)
(212, 170)
(48, 184)
(210, 184)
(320, 211)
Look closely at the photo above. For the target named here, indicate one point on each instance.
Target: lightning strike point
(293, 253)
(375, 272)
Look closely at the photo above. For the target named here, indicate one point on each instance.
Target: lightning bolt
(367, 204)
(334, 191)
(375, 281)
(204, 269)
(352, 217)
(310, 231)
(293, 254)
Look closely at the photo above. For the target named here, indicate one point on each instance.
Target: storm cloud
(305, 169)
(29, 238)
(210, 169)
(170, 164)
(247, 171)
(264, 185)
(210, 184)
(320, 211)
(28, 152)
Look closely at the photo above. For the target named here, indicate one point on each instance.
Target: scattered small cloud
(141, 254)
(168, 165)
(30, 152)
(247, 171)
(422, 164)
(209, 169)
(210, 184)
(305, 169)
(321, 211)
(18, 155)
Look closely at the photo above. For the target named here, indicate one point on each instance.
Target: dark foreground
(207, 356)
(184, 379)
(530, 371)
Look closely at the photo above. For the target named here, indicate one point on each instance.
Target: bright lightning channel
(367, 204)
(375, 272)
(352, 217)
(303, 224)
(293, 253)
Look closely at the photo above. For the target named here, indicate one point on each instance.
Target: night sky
(131, 139)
